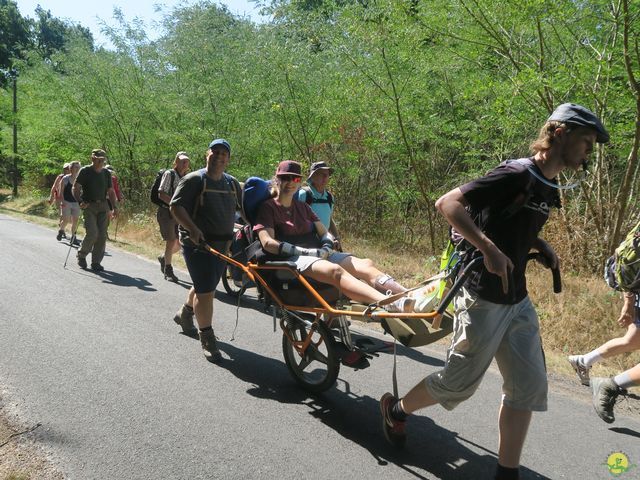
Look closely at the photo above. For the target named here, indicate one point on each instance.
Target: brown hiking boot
(169, 275)
(209, 347)
(184, 318)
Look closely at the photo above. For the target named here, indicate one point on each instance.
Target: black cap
(574, 114)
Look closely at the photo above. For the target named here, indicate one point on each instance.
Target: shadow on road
(431, 449)
(122, 280)
(625, 431)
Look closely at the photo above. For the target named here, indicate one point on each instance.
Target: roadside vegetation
(582, 317)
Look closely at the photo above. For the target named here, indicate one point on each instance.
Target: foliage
(405, 99)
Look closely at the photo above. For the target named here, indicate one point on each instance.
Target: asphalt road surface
(121, 394)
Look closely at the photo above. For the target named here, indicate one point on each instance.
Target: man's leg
(91, 234)
(514, 425)
(102, 223)
(478, 329)
(203, 307)
(520, 359)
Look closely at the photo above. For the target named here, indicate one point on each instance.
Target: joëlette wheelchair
(314, 317)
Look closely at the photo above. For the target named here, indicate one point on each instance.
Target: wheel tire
(314, 374)
(229, 286)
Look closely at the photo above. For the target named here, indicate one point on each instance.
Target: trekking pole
(71, 240)
(115, 235)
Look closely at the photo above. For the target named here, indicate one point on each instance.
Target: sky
(89, 12)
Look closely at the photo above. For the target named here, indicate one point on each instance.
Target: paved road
(121, 394)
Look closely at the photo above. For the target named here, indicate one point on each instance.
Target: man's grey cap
(575, 114)
(220, 141)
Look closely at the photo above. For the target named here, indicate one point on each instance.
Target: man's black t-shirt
(502, 187)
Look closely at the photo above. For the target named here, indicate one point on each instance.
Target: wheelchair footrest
(356, 359)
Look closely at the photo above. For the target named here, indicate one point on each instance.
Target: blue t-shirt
(323, 210)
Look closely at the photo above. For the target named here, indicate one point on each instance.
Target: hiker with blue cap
(500, 216)
(204, 204)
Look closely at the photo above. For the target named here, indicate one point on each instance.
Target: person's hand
(83, 205)
(337, 246)
(325, 252)
(499, 264)
(196, 236)
(626, 317)
(114, 213)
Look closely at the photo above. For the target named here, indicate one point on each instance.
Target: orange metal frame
(374, 312)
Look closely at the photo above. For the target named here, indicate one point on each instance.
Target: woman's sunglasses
(289, 178)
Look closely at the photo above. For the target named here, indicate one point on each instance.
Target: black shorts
(204, 268)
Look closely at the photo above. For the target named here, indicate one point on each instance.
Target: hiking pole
(71, 241)
(115, 235)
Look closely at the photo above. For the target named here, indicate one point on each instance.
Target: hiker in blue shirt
(321, 201)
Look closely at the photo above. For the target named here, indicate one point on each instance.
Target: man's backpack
(155, 198)
(622, 270)
(310, 199)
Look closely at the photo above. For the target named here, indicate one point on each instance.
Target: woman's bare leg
(333, 274)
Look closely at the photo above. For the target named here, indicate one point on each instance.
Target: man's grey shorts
(168, 224)
(483, 330)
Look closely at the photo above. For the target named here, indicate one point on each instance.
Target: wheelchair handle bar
(462, 278)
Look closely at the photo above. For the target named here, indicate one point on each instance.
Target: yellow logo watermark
(618, 464)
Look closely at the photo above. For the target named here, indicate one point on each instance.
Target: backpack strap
(521, 200)
(309, 198)
(200, 201)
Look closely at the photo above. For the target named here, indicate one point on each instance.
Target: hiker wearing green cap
(494, 317)
(91, 189)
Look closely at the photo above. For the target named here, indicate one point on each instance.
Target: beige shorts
(168, 224)
(70, 209)
(483, 330)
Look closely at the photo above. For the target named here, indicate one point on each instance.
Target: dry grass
(578, 320)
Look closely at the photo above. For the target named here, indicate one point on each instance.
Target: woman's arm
(271, 245)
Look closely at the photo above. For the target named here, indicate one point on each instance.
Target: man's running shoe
(393, 429)
(581, 369)
(605, 392)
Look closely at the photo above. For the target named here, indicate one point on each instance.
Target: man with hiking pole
(493, 314)
(91, 189)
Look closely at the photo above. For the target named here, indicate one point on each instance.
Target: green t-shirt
(216, 216)
(94, 184)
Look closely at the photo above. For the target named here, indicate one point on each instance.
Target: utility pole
(14, 76)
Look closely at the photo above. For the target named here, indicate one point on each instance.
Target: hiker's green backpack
(622, 270)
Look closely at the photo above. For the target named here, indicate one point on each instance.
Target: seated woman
(289, 229)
